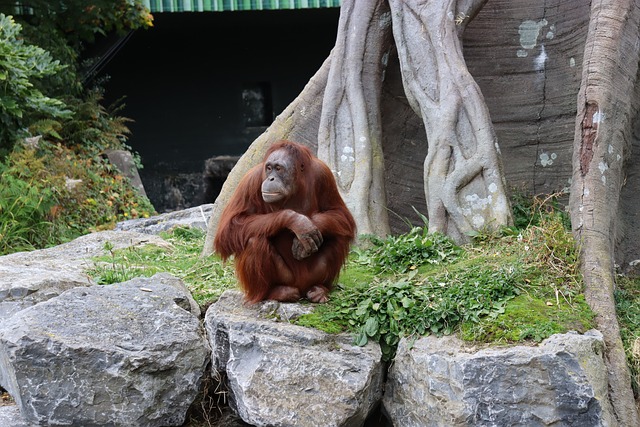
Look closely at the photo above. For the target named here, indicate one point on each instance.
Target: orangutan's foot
(319, 294)
(284, 294)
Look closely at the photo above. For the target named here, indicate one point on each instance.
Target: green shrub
(20, 100)
(52, 194)
(414, 306)
(24, 209)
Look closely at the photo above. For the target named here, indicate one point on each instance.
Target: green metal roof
(228, 5)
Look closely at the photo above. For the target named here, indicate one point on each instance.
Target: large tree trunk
(350, 134)
(463, 180)
(606, 107)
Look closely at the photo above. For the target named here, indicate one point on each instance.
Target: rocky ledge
(134, 354)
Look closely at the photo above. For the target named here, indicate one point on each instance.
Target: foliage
(518, 287)
(408, 251)
(627, 297)
(20, 100)
(54, 192)
(94, 127)
(33, 86)
(24, 207)
(413, 306)
(206, 277)
(82, 20)
(50, 194)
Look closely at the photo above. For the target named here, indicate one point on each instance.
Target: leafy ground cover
(520, 286)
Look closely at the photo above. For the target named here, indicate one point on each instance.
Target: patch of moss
(318, 320)
(355, 274)
(530, 318)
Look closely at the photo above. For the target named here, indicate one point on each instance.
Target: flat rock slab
(286, 375)
(129, 354)
(444, 382)
(27, 278)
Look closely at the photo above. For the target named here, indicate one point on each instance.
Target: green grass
(206, 277)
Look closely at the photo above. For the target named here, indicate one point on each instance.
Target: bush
(20, 100)
(24, 207)
(399, 254)
(51, 194)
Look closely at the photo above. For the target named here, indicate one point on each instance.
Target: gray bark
(606, 107)
(350, 127)
(463, 180)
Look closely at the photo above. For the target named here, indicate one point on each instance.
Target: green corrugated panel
(228, 5)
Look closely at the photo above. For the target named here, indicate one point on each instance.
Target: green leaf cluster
(416, 305)
(399, 254)
(20, 65)
(23, 211)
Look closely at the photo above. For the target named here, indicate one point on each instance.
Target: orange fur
(258, 234)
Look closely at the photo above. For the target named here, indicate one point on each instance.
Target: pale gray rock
(129, 354)
(27, 278)
(10, 417)
(280, 374)
(443, 382)
(186, 301)
(196, 217)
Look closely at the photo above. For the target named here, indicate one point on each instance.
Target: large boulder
(129, 354)
(443, 382)
(286, 375)
(27, 278)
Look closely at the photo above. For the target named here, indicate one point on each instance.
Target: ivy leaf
(361, 339)
(371, 327)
